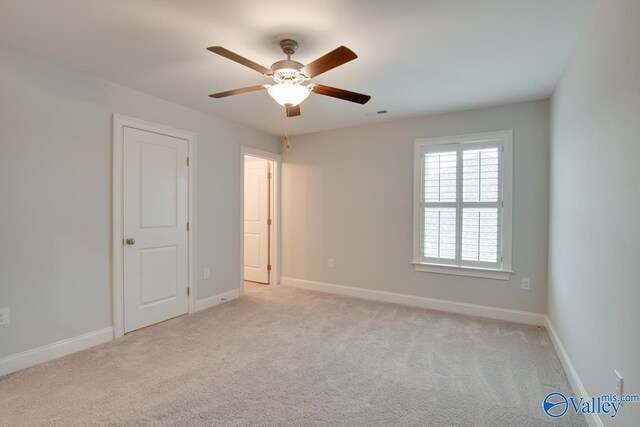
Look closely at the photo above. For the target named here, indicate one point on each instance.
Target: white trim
(53, 351)
(214, 300)
(507, 200)
(516, 316)
(577, 385)
(463, 271)
(276, 260)
(504, 139)
(119, 123)
(464, 138)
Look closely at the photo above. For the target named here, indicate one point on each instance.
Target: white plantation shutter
(461, 201)
(480, 235)
(481, 206)
(440, 233)
(440, 199)
(440, 177)
(480, 175)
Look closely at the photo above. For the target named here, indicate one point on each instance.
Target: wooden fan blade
(238, 91)
(240, 59)
(340, 93)
(293, 111)
(331, 60)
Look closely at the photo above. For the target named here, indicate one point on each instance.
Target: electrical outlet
(331, 263)
(619, 383)
(525, 283)
(206, 273)
(4, 316)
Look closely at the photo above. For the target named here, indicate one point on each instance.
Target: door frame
(274, 278)
(117, 249)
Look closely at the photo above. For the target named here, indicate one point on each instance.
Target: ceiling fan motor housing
(288, 71)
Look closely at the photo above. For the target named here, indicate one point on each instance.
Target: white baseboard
(577, 385)
(58, 349)
(516, 316)
(208, 302)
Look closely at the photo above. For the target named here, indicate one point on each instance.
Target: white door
(256, 221)
(155, 228)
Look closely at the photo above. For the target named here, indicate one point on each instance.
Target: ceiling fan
(289, 76)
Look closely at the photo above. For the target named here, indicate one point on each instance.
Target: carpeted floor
(286, 357)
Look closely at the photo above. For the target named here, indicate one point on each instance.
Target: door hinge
(269, 221)
(187, 161)
(187, 226)
(269, 267)
(269, 175)
(188, 291)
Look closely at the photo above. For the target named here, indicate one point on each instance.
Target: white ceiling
(415, 56)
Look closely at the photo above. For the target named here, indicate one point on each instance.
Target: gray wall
(55, 196)
(594, 290)
(348, 195)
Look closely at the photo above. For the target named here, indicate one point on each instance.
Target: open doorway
(260, 217)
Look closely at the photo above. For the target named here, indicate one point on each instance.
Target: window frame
(503, 139)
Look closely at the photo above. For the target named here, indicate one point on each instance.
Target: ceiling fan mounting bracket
(289, 47)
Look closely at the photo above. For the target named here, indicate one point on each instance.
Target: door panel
(256, 226)
(252, 250)
(158, 274)
(158, 185)
(155, 215)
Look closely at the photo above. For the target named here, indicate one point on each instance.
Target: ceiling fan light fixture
(288, 94)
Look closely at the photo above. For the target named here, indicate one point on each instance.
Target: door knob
(130, 241)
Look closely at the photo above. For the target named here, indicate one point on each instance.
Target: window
(462, 212)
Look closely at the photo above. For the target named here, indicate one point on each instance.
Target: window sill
(462, 271)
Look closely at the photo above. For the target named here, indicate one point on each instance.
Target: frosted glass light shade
(288, 94)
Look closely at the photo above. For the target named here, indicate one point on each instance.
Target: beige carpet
(283, 356)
